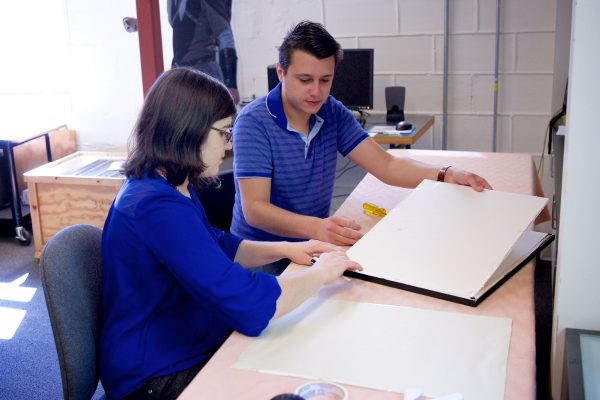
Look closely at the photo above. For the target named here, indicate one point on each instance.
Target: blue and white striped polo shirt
(302, 170)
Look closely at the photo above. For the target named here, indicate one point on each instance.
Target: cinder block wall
(407, 36)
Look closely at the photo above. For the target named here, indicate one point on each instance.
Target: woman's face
(213, 149)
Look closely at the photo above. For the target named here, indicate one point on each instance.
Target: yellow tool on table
(375, 211)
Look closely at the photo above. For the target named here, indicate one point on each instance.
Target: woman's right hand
(333, 264)
(297, 286)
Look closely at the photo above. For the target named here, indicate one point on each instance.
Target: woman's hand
(297, 286)
(302, 252)
(332, 265)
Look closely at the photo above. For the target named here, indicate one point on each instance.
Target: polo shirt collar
(275, 108)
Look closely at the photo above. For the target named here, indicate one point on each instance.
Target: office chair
(71, 268)
(218, 201)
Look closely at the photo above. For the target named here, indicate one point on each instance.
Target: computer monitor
(352, 82)
(353, 79)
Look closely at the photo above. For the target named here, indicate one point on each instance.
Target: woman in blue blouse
(173, 286)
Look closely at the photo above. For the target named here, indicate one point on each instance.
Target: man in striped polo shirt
(286, 143)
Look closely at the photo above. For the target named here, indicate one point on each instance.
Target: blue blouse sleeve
(228, 242)
(174, 231)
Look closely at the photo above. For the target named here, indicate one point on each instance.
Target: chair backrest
(71, 268)
(218, 201)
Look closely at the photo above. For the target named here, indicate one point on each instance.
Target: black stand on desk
(7, 146)
(361, 117)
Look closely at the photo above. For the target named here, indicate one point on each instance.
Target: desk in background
(507, 172)
(422, 124)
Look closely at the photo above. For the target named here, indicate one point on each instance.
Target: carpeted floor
(29, 367)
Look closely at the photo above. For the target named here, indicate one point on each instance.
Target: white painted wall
(71, 61)
(104, 73)
(578, 268)
(33, 53)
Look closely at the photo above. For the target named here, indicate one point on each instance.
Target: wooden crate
(77, 189)
(30, 155)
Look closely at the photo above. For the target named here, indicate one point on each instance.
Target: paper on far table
(386, 347)
(389, 130)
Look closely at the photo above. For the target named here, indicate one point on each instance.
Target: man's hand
(332, 265)
(462, 177)
(302, 252)
(339, 231)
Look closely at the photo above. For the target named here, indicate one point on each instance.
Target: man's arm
(260, 213)
(406, 172)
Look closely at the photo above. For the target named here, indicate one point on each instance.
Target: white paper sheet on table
(386, 347)
(448, 238)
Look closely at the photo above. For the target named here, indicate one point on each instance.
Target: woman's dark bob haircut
(175, 120)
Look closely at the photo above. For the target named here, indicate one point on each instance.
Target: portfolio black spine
(473, 301)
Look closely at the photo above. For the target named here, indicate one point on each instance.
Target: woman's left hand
(302, 252)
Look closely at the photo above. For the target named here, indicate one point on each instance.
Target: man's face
(307, 82)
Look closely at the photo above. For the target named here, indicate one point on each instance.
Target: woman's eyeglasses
(227, 132)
